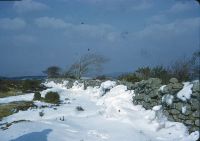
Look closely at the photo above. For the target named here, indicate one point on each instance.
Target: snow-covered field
(107, 116)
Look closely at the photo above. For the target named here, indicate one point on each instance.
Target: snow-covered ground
(25, 97)
(109, 116)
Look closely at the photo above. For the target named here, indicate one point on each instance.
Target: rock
(195, 104)
(166, 113)
(189, 122)
(147, 99)
(176, 118)
(177, 86)
(182, 117)
(165, 90)
(173, 88)
(173, 80)
(175, 112)
(154, 82)
(193, 129)
(196, 86)
(170, 118)
(154, 94)
(196, 114)
(139, 97)
(196, 95)
(178, 106)
(197, 123)
(168, 99)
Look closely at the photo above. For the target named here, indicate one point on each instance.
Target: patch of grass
(12, 92)
(14, 107)
(18, 87)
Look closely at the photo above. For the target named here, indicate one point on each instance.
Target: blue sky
(35, 34)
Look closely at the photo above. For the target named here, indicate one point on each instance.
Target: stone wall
(150, 93)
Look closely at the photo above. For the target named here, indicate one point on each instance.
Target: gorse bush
(143, 72)
(31, 85)
(37, 96)
(52, 97)
(131, 77)
(101, 77)
(184, 69)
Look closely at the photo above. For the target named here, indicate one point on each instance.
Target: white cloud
(182, 7)
(118, 4)
(170, 30)
(88, 31)
(29, 5)
(12, 24)
(82, 31)
(50, 22)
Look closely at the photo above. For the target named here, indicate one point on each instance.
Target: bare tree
(85, 64)
(195, 65)
(53, 71)
(181, 69)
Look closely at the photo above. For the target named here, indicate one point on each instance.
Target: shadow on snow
(34, 136)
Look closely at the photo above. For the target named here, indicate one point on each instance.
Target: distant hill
(23, 78)
(115, 74)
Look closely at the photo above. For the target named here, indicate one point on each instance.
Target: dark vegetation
(14, 107)
(52, 97)
(37, 96)
(17, 87)
(79, 108)
(183, 69)
(88, 63)
(53, 72)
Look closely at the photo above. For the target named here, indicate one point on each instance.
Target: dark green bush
(131, 77)
(181, 69)
(52, 97)
(31, 85)
(101, 77)
(79, 108)
(162, 73)
(37, 96)
(143, 73)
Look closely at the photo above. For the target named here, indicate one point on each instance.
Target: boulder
(197, 123)
(182, 117)
(175, 112)
(195, 104)
(154, 82)
(189, 122)
(196, 114)
(178, 106)
(173, 80)
(154, 94)
(177, 86)
(139, 97)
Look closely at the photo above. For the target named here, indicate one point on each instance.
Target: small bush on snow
(52, 97)
(37, 96)
(79, 108)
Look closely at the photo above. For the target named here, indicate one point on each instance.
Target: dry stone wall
(185, 109)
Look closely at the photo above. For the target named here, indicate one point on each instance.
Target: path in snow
(111, 117)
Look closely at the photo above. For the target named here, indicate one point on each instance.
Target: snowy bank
(111, 116)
